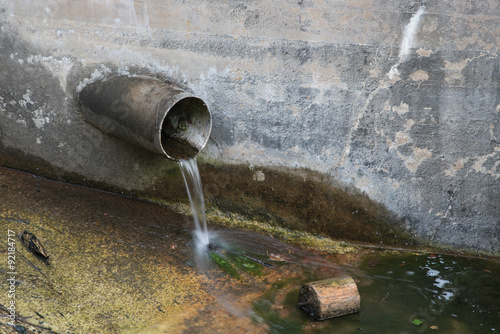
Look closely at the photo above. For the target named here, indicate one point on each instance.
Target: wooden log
(330, 298)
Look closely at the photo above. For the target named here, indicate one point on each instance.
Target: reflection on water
(420, 293)
(400, 293)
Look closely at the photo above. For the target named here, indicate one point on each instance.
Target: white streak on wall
(407, 42)
(95, 76)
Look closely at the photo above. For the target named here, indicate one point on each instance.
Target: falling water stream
(192, 180)
(248, 282)
(400, 293)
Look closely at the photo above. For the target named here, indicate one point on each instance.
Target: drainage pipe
(150, 113)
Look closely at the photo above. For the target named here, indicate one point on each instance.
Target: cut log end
(333, 297)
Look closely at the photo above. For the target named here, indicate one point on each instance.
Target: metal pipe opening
(148, 112)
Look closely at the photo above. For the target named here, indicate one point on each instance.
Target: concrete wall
(411, 118)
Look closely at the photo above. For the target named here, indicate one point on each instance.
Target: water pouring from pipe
(160, 118)
(192, 180)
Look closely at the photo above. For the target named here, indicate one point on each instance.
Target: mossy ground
(121, 265)
(115, 266)
(302, 238)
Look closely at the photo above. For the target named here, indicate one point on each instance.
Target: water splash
(192, 180)
(407, 42)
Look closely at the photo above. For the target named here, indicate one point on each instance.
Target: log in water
(330, 298)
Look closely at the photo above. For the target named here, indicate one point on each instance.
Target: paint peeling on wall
(494, 161)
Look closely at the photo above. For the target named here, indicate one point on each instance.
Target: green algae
(232, 220)
(224, 265)
(119, 268)
(237, 263)
(93, 279)
(115, 266)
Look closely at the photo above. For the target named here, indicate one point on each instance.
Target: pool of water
(400, 293)
(143, 274)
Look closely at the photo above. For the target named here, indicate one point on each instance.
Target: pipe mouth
(185, 128)
(149, 113)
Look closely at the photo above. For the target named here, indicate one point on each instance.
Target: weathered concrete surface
(309, 84)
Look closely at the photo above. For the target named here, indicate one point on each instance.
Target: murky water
(400, 293)
(191, 175)
(428, 293)
(140, 256)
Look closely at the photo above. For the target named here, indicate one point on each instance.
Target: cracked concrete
(293, 84)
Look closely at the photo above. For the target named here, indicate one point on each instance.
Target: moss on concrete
(95, 283)
(109, 271)
(300, 200)
(234, 220)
